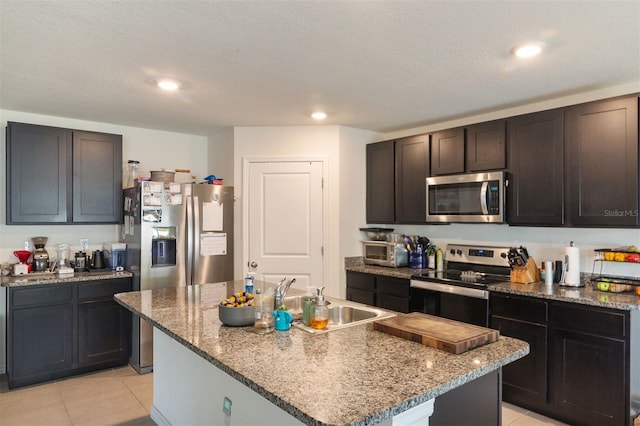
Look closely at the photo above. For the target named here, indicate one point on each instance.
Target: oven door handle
(451, 289)
(483, 197)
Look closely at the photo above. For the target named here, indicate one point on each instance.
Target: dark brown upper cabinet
(601, 142)
(38, 174)
(97, 177)
(485, 146)
(447, 152)
(474, 148)
(396, 180)
(62, 176)
(412, 170)
(536, 157)
(381, 182)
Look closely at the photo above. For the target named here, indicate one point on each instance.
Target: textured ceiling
(379, 65)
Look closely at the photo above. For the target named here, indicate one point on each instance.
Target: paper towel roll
(572, 274)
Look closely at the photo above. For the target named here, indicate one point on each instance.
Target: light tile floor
(117, 396)
(121, 396)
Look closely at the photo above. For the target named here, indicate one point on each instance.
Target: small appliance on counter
(80, 262)
(115, 255)
(40, 255)
(64, 263)
(382, 248)
(97, 260)
(21, 268)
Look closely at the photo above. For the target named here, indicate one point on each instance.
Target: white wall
(220, 157)
(343, 149)
(154, 149)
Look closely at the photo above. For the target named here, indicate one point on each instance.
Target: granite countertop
(40, 279)
(354, 375)
(356, 264)
(585, 295)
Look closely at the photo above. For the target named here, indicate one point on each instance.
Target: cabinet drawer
(361, 296)
(524, 309)
(103, 288)
(588, 320)
(361, 281)
(394, 303)
(50, 294)
(392, 286)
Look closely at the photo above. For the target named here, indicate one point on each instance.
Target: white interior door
(285, 221)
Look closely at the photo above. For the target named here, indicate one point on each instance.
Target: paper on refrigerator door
(213, 244)
(212, 216)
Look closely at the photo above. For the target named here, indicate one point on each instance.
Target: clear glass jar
(132, 173)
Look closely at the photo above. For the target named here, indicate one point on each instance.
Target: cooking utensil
(165, 176)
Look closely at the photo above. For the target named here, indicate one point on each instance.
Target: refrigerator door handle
(189, 242)
(195, 255)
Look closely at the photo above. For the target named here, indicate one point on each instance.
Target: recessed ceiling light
(528, 50)
(168, 85)
(319, 115)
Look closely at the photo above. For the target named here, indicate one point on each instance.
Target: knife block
(526, 274)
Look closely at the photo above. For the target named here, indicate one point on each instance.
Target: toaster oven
(385, 253)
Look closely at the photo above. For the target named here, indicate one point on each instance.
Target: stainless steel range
(460, 291)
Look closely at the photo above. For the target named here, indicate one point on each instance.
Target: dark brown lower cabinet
(59, 330)
(589, 364)
(103, 325)
(378, 290)
(579, 369)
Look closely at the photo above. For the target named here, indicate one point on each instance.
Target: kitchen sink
(342, 313)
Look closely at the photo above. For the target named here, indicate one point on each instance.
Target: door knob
(253, 264)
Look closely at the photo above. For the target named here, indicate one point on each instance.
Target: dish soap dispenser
(308, 307)
(320, 317)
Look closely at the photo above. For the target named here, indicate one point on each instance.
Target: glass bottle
(320, 317)
(132, 173)
(432, 258)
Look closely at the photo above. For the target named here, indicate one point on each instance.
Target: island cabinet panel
(412, 170)
(602, 163)
(38, 174)
(536, 165)
(486, 146)
(97, 182)
(62, 176)
(381, 182)
(447, 152)
(524, 382)
(588, 365)
(58, 330)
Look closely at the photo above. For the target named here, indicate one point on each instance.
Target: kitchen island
(350, 376)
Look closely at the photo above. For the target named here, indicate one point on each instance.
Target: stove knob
(452, 251)
(503, 255)
(459, 252)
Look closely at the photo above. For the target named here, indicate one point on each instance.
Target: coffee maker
(40, 255)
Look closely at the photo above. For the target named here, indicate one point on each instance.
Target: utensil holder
(526, 274)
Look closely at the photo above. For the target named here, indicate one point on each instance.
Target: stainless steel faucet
(281, 291)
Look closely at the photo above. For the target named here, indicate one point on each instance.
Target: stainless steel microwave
(471, 198)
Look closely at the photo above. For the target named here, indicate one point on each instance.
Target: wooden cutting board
(451, 336)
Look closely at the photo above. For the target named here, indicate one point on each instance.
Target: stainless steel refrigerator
(176, 235)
